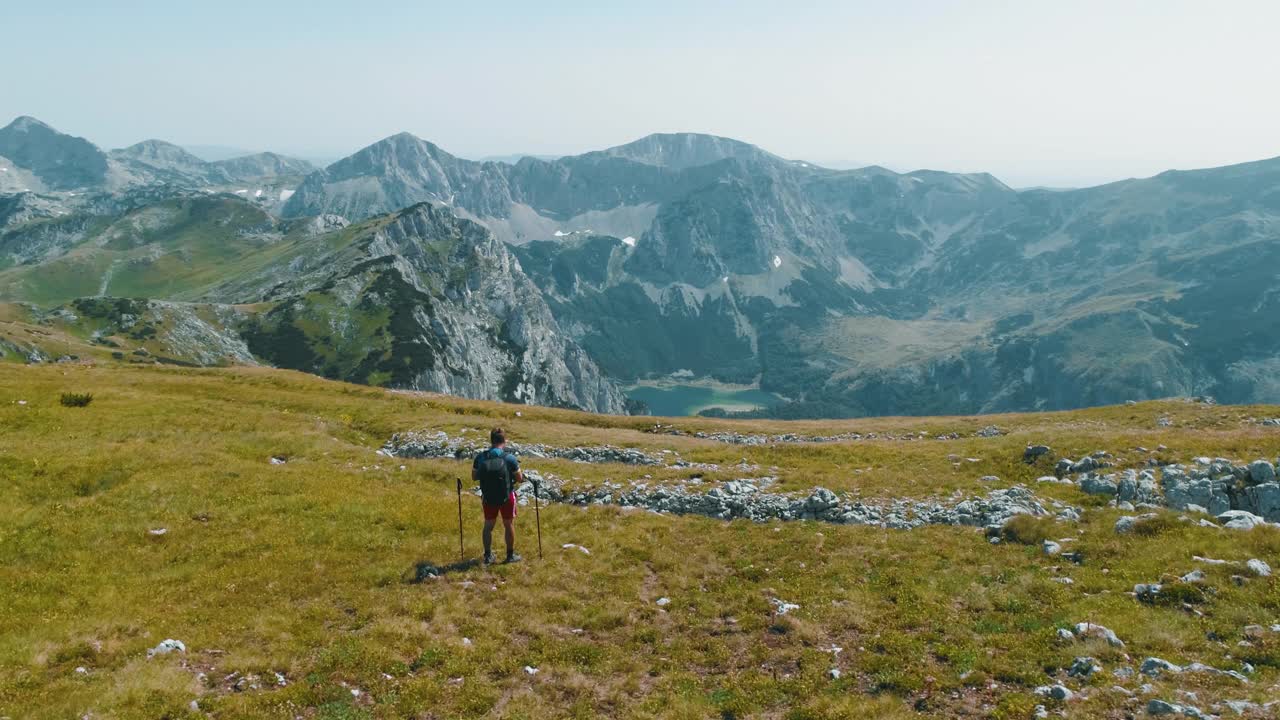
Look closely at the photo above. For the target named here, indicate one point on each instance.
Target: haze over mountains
(557, 281)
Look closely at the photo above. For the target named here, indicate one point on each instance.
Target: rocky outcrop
(1234, 493)
(423, 300)
(744, 498)
(1219, 486)
(439, 444)
(748, 498)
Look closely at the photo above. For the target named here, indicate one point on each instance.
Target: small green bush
(1159, 525)
(76, 399)
(1027, 530)
(1179, 593)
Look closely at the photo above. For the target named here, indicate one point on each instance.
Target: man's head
(497, 437)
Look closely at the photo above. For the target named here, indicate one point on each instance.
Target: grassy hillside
(298, 588)
(179, 249)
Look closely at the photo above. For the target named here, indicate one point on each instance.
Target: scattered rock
(663, 601)
(1051, 548)
(1084, 667)
(834, 673)
(1202, 668)
(530, 670)
(277, 460)
(1153, 666)
(157, 532)
(571, 546)
(1098, 485)
(1258, 567)
(1262, 471)
(1085, 629)
(167, 646)
(1240, 520)
(1035, 452)
(1146, 592)
(1210, 561)
(1065, 634)
(1057, 692)
(1194, 576)
(782, 607)
(440, 444)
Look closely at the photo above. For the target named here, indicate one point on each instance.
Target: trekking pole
(462, 554)
(537, 514)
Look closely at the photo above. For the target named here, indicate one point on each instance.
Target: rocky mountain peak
(399, 171)
(679, 151)
(159, 153)
(403, 150)
(26, 123)
(60, 161)
(264, 165)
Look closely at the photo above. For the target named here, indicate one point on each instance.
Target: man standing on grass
(498, 473)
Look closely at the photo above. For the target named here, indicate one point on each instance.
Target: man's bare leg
(488, 537)
(508, 525)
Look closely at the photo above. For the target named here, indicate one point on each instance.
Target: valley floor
(308, 589)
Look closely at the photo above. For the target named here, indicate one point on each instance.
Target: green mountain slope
(175, 250)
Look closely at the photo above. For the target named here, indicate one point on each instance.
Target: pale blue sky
(1035, 92)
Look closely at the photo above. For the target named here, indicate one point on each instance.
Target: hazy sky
(1060, 93)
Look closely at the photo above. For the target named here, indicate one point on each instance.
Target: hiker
(498, 473)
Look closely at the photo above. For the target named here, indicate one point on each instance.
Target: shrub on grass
(1158, 525)
(1015, 705)
(1027, 530)
(76, 399)
(1178, 593)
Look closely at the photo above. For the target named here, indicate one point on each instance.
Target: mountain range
(559, 281)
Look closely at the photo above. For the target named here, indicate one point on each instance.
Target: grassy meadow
(299, 592)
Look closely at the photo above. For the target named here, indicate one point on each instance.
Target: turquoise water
(676, 400)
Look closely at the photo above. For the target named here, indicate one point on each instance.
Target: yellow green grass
(310, 569)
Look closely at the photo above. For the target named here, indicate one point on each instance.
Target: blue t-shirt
(513, 465)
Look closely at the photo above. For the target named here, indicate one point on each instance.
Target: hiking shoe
(490, 558)
(514, 558)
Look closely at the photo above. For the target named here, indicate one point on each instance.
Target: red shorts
(507, 509)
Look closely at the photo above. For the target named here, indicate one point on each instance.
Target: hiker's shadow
(424, 570)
